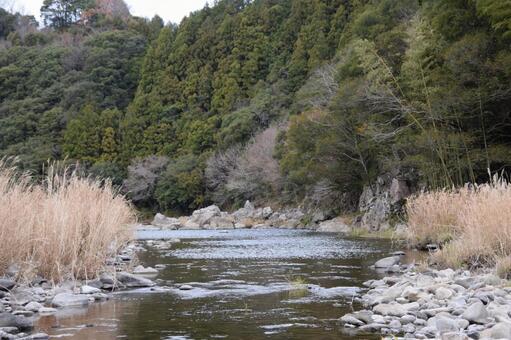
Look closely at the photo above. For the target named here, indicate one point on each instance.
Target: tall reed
(474, 223)
(63, 228)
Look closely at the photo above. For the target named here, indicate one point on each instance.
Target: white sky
(169, 10)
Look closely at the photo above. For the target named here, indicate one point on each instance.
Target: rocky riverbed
(434, 304)
(21, 304)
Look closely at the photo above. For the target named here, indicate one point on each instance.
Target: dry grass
(474, 223)
(64, 228)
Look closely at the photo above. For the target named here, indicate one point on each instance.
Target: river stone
(134, 281)
(185, 287)
(388, 262)
(392, 309)
(7, 285)
(69, 300)
(454, 336)
(502, 330)
(18, 321)
(445, 324)
(33, 306)
(337, 225)
(144, 270)
(476, 313)
(364, 316)
(351, 320)
(39, 336)
(443, 293)
(85, 289)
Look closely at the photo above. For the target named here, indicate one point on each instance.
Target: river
(247, 284)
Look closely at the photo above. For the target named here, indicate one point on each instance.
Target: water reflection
(247, 284)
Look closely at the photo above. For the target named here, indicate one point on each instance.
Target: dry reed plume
(474, 223)
(64, 228)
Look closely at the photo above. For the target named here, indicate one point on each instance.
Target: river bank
(425, 303)
(23, 303)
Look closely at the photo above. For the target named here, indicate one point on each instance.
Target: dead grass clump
(474, 222)
(64, 228)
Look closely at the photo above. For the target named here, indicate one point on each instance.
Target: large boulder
(221, 222)
(163, 221)
(337, 225)
(247, 212)
(69, 300)
(203, 216)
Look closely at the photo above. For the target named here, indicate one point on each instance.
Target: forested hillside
(283, 101)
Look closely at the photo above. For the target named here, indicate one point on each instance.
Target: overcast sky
(169, 10)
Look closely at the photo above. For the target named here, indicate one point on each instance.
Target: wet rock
(18, 321)
(185, 287)
(476, 313)
(7, 284)
(372, 327)
(69, 300)
(133, 281)
(89, 290)
(351, 320)
(388, 262)
(143, 270)
(337, 225)
(33, 306)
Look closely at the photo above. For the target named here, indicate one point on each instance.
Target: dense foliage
(288, 101)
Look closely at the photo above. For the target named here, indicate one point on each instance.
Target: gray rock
(388, 262)
(185, 287)
(351, 320)
(7, 284)
(392, 309)
(18, 321)
(445, 324)
(502, 330)
(476, 313)
(443, 293)
(69, 300)
(89, 290)
(33, 306)
(454, 336)
(143, 270)
(39, 336)
(134, 281)
(203, 216)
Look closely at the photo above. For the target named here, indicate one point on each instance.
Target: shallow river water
(247, 284)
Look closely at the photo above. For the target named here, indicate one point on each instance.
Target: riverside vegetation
(378, 110)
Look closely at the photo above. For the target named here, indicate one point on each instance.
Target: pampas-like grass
(63, 228)
(473, 222)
